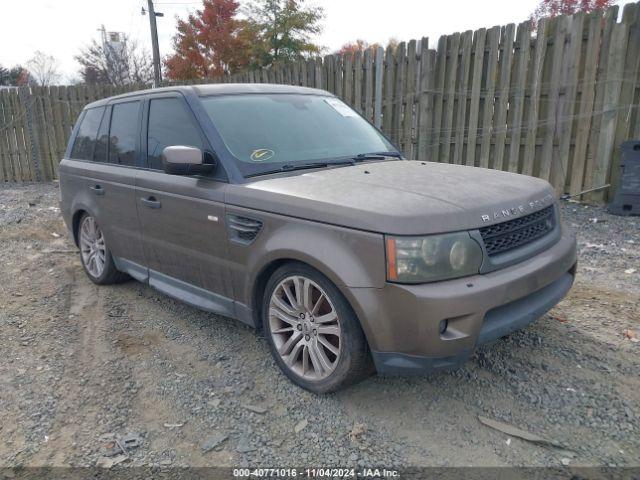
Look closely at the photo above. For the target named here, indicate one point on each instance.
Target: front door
(182, 217)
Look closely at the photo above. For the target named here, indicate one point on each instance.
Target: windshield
(267, 131)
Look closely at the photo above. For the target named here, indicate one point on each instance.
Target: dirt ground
(83, 365)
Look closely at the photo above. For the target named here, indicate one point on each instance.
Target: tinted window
(100, 152)
(170, 123)
(124, 133)
(86, 139)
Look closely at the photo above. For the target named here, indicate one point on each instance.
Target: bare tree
(43, 69)
(121, 64)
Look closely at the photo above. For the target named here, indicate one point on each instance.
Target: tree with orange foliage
(553, 8)
(210, 43)
(352, 47)
(361, 45)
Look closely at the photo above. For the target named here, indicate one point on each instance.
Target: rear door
(102, 170)
(76, 169)
(182, 217)
(121, 146)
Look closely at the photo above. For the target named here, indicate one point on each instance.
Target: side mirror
(181, 160)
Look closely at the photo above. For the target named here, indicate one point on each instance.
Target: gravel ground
(84, 365)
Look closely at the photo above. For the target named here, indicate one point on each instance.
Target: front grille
(505, 236)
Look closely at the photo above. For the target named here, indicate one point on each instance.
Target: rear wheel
(313, 333)
(95, 255)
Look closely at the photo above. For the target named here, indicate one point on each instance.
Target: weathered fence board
(401, 78)
(611, 106)
(408, 100)
(550, 106)
(387, 105)
(607, 25)
(555, 102)
(28, 164)
(522, 50)
(588, 80)
(479, 38)
(490, 73)
(425, 100)
(450, 96)
(463, 83)
(502, 101)
(5, 153)
(441, 67)
(567, 103)
(367, 109)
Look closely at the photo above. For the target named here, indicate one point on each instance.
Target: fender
(349, 258)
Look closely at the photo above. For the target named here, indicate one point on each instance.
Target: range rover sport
(282, 207)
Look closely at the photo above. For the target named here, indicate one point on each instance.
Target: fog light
(443, 326)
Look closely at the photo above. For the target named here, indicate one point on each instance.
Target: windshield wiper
(288, 167)
(300, 166)
(376, 156)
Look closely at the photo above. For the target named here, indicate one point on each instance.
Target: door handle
(151, 202)
(97, 189)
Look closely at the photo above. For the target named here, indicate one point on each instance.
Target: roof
(204, 90)
(235, 88)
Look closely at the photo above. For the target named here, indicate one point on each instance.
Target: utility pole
(103, 31)
(157, 74)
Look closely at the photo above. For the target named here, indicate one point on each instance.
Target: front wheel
(313, 333)
(95, 255)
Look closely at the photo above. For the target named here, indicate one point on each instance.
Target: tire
(101, 270)
(313, 333)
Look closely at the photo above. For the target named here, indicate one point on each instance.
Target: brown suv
(282, 207)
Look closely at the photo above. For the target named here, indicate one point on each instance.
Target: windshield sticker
(262, 154)
(340, 107)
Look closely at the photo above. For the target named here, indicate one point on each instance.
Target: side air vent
(243, 229)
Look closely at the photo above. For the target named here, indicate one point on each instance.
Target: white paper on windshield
(340, 107)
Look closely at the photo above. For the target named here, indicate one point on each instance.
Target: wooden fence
(555, 103)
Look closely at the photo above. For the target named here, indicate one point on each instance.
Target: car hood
(398, 197)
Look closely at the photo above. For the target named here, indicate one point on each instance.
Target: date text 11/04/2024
(315, 472)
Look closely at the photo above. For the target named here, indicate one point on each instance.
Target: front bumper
(402, 322)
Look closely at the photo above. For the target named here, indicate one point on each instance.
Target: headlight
(436, 257)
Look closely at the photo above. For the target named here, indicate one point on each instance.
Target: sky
(60, 28)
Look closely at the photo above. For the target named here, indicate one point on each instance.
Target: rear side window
(124, 133)
(170, 123)
(85, 141)
(102, 142)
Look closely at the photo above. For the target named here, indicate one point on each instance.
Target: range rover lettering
(282, 207)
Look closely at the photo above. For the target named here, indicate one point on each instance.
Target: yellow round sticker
(262, 154)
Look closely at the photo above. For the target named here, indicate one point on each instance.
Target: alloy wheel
(92, 247)
(305, 327)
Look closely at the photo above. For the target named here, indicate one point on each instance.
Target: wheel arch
(75, 224)
(274, 261)
(268, 269)
(259, 285)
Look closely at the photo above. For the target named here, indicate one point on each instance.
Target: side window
(100, 152)
(85, 141)
(170, 123)
(124, 133)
